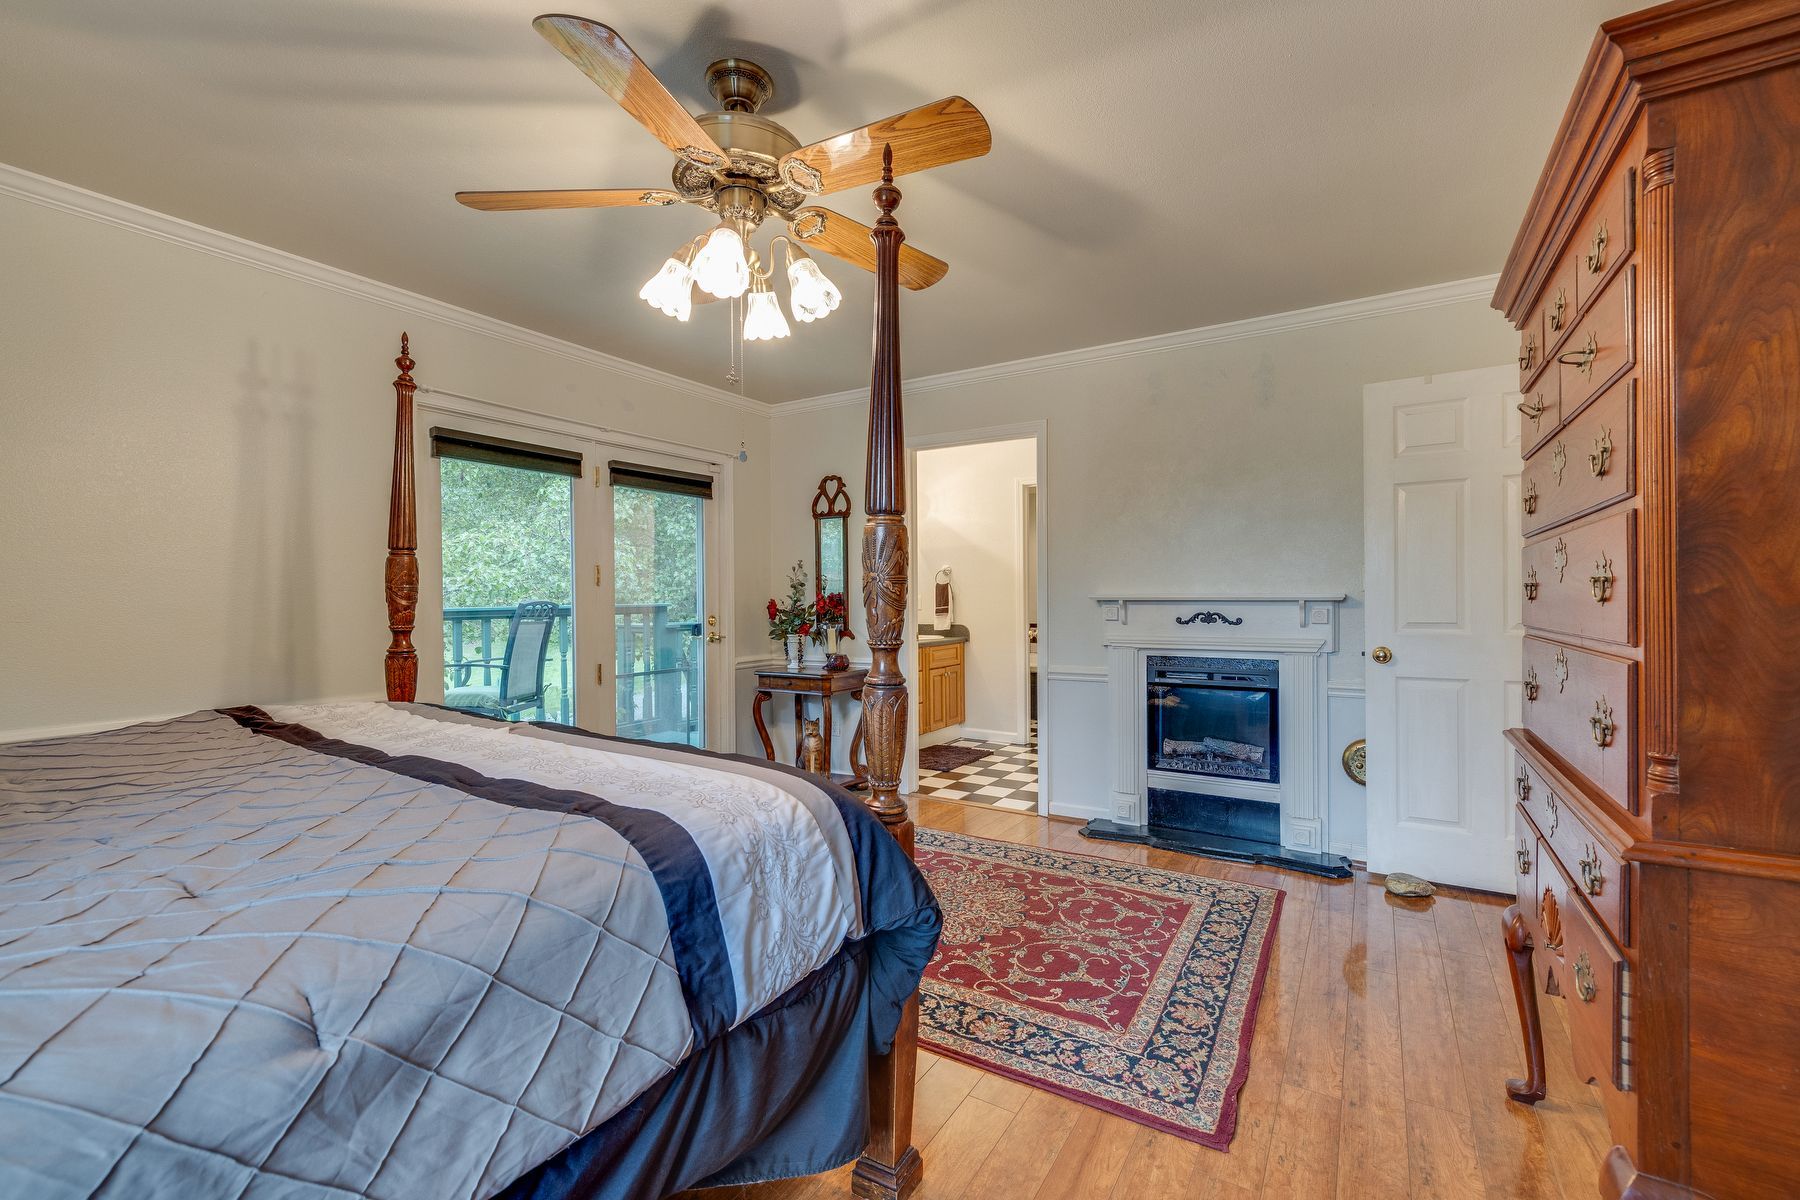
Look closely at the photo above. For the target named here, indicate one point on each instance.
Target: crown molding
(1433, 296)
(66, 197)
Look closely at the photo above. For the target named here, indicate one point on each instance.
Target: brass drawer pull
(1528, 352)
(1602, 723)
(1596, 257)
(1601, 454)
(1593, 874)
(1521, 787)
(1522, 858)
(1584, 978)
(1533, 408)
(1531, 685)
(1531, 585)
(1583, 359)
(1529, 498)
(1555, 317)
(1601, 581)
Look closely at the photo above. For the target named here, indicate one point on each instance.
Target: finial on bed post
(890, 1168)
(403, 541)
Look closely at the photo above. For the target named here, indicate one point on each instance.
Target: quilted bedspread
(367, 950)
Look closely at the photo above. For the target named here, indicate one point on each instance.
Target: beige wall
(1232, 466)
(967, 517)
(194, 462)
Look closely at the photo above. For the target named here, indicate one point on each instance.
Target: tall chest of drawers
(1655, 285)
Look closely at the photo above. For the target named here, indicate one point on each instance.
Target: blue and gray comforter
(367, 950)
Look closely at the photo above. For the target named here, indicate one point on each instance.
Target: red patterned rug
(1124, 987)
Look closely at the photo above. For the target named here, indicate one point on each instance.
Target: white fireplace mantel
(1296, 629)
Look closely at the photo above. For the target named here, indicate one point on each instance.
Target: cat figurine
(812, 748)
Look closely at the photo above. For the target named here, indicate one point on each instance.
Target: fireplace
(1213, 717)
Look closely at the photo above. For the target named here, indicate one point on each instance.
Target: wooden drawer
(1607, 235)
(1595, 983)
(1557, 307)
(1587, 465)
(1540, 412)
(950, 655)
(1600, 349)
(1525, 858)
(1585, 711)
(1531, 352)
(1583, 580)
(1589, 860)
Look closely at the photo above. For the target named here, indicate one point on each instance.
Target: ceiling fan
(744, 167)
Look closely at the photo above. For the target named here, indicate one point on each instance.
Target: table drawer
(1540, 412)
(1585, 711)
(1582, 581)
(1600, 349)
(1586, 466)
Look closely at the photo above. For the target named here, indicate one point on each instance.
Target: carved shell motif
(1550, 915)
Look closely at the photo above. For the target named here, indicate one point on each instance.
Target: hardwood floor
(1384, 1037)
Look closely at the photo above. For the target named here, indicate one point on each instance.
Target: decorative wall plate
(1356, 761)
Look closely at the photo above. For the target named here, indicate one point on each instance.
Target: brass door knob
(1382, 655)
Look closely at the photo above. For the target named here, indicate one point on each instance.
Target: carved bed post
(890, 1168)
(403, 542)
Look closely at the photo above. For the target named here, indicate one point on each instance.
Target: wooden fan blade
(839, 236)
(604, 58)
(931, 135)
(607, 198)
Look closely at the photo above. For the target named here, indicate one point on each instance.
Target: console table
(825, 685)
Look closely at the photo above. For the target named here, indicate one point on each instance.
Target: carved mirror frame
(831, 503)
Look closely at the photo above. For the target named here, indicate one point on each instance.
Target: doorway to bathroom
(977, 546)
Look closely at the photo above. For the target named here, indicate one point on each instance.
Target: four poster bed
(394, 950)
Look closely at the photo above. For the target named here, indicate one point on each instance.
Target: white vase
(796, 651)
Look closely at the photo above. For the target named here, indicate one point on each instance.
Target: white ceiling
(1157, 164)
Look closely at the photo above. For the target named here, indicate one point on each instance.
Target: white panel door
(1441, 528)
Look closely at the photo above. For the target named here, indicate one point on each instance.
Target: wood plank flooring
(1384, 1038)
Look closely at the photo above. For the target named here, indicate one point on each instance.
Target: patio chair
(521, 668)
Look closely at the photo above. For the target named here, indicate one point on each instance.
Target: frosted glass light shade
(763, 320)
(670, 290)
(720, 268)
(812, 294)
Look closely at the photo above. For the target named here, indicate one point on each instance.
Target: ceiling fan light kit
(742, 166)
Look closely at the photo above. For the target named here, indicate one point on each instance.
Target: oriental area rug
(1125, 987)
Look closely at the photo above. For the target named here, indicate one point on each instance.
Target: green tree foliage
(507, 535)
(656, 551)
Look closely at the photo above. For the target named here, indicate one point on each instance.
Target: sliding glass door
(659, 607)
(508, 555)
(580, 579)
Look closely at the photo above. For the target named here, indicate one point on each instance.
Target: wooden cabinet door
(953, 695)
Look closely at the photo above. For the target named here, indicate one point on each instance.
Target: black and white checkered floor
(1006, 777)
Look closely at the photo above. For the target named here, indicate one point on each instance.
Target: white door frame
(595, 442)
(1038, 432)
(1441, 520)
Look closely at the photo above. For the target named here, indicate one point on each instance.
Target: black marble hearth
(1218, 827)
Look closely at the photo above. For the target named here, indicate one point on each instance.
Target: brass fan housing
(753, 143)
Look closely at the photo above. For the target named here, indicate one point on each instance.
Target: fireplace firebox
(1213, 717)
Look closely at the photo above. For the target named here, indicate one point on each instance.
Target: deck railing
(655, 667)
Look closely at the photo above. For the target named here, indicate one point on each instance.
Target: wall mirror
(831, 538)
